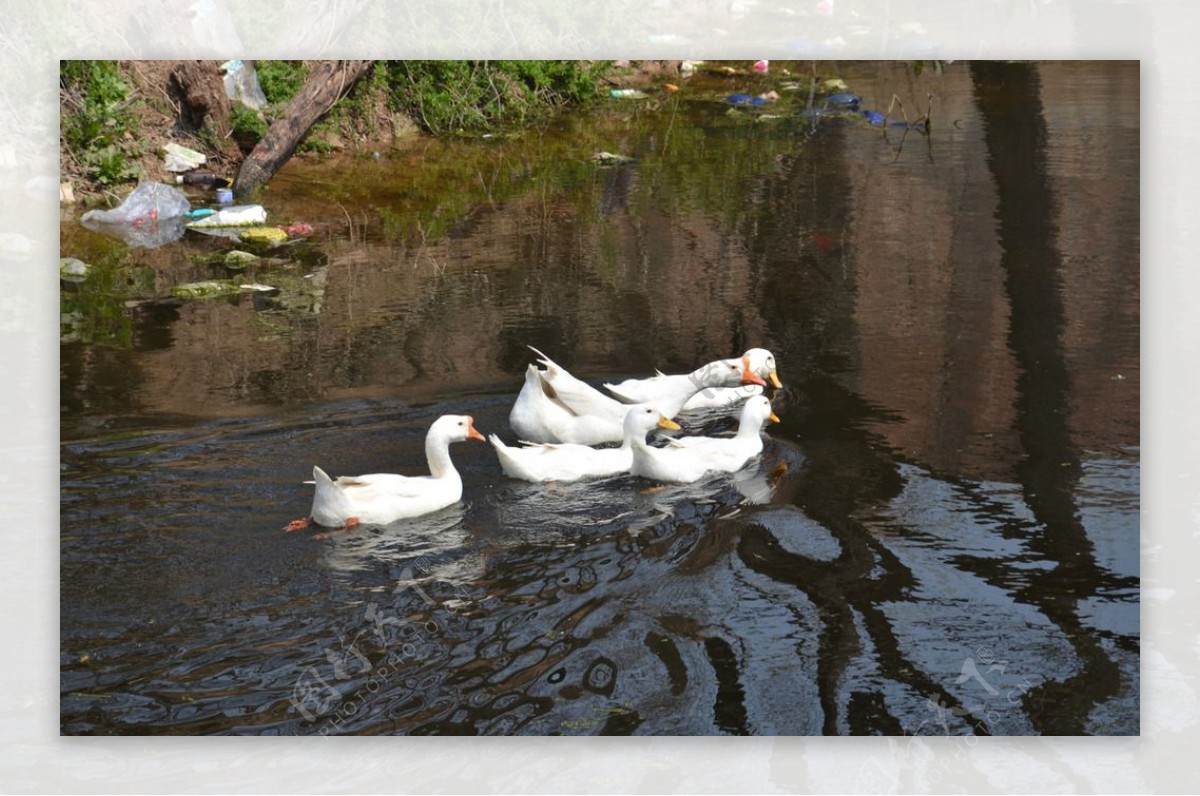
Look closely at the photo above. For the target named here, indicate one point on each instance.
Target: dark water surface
(941, 537)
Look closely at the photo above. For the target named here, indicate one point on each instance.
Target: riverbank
(118, 115)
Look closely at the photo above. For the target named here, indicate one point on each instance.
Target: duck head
(726, 373)
(641, 419)
(455, 428)
(756, 411)
(761, 362)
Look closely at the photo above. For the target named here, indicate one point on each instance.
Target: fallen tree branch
(328, 83)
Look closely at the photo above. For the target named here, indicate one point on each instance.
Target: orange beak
(748, 376)
(774, 418)
(471, 432)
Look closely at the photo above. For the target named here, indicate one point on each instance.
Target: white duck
(381, 498)
(688, 459)
(566, 462)
(540, 416)
(554, 406)
(757, 361)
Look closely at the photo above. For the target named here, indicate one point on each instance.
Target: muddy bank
(117, 116)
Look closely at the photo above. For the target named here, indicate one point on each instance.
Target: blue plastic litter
(745, 99)
(850, 101)
(874, 117)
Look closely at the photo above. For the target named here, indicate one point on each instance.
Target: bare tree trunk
(202, 101)
(329, 81)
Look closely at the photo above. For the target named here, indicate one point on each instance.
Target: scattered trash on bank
(233, 216)
(298, 229)
(241, 84)
(609, 159)
(846, 100)
(254, 287)
(150, 201)
(152, 215)
(219, 288)
(747, 99)
(265, 237)
(72, 269)
(198, 177)
(627, 93)
(236, 260)
(178, 158)
(209, 288)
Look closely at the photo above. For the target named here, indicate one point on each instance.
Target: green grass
(99, 107)
(248, 125)
(99, 122)
(470, 96)
(280, 80)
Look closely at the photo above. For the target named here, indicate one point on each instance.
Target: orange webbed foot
(350, 523)
(297, 525)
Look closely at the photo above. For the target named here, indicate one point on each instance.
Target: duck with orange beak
(555, 406)
(688, 459)
(382, 498)
(757, 364)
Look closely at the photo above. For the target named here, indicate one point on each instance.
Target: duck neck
(706, 377)
(634, 439)
(437, 453)
(747, 429)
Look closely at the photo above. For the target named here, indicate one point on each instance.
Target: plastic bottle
(236, 216)
(201, 178)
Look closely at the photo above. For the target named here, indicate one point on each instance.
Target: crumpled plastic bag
(179, 158)
(148, 201)
(152, 215)
(241, 84)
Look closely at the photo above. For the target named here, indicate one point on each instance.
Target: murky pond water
(941, 537)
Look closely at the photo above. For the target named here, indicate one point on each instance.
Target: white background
(33, 758)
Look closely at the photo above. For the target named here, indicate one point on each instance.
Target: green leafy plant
(452, 96)
(248, 125)
(108, 165)
(99, 125)
(280, 80)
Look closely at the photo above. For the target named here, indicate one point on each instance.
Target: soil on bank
(117, 116)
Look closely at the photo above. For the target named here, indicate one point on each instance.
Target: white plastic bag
(150, 216)
(149, 201)
(179, 158)
(241, 84)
